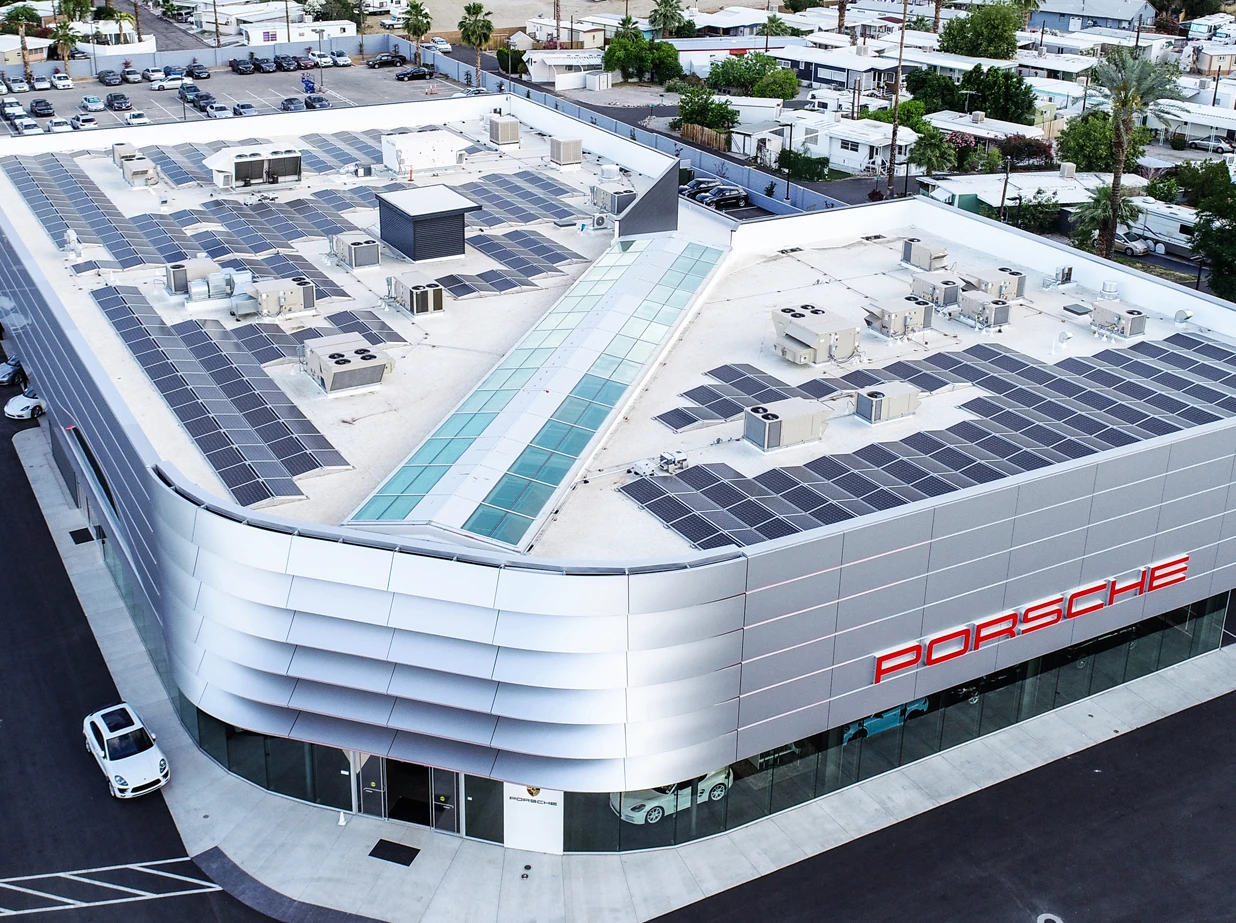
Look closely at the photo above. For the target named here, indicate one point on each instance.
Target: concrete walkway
(290, 860)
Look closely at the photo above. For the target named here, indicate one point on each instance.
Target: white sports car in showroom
(650, 805)
(126, 752)
(25, 406)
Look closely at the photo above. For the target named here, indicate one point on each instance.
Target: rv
(1204, 28)
(1168, 227)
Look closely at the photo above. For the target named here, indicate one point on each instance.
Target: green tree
(1195, 9)
(627, 28)
(773, 26)
(1007, 96)
(75, 10)
(1131, 87)
(919, 23)
(23, 13)
(417, 23)
(1214, 240)
(780, 84)
(1165, 189)
(630, 55)
(990, 31)
(1039, 214)
(1098, 217)
(932, 151)
(1087, 142)
(476, 29)
(739, 74)
(909, 112)
(687, 29)
(934, 91)
(1203, 180)
(797, 6)
(697, 106)
(64, 36)
(663, 63)
(667, 16)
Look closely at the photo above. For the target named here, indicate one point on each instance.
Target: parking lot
(343, 86)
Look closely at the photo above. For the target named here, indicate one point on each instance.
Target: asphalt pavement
(58, 816)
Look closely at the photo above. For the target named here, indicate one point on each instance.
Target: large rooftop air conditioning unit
(1114, 317)
(277, 297)
(1009, 284)
(121, 150)
(416, 293)
(900, 318)
(139, 171)
(980, 310)
(612, 197)
(345, 363)
(781, 424)
(886, 401)
(566, 152)
(807, 335)
(503, 129)
(940, 288)
(924, 254)
(179, 275)
(357, 249)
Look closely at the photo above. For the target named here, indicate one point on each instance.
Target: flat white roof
(951, 61)
(1067, 190)
(948, 120)
(1065, 63)
(421, 201)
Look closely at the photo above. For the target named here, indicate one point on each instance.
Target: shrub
(803, 166)
(1178, 142)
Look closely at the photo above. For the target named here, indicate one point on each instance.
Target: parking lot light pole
(321, 79)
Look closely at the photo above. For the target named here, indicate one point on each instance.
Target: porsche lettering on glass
(966, 639)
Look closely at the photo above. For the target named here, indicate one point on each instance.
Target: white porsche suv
(126, 751)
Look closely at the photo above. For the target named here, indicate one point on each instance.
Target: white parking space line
(199, 886)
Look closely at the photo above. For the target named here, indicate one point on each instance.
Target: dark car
(292, 104)
(244, 109)
(387, 59)
(414, 73)
(42, 108)
(305, 63)
(264, 65)
(724, 197)
(698, 187)
(170, 69)
(188, 92)
(110, 78)
(197, 72)
(118, 102)
(316, 101)
(241, 66)
(11, 372)
(202, 100)
(285, 62)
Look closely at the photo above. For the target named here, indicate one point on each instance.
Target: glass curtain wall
(808, 768)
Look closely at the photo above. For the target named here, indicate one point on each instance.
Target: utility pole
(287, 17)
(1008, 166)
(1137, 42)
(558, 22)
(892, 147)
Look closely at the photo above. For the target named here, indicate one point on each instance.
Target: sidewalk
(292, 860)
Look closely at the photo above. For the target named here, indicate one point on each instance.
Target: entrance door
(372, 782)
(408, 795)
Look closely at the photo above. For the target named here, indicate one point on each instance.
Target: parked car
(241, 66)
(414, 73)
(471, 91)
(305, 63)
(197, 72)
(244, 109)
(883, 721)
(42, 108)
(316, 101)
(391, 22)
(264, 65)
(110, 78)
(126, 752)
(119, 102)
(1214, 144)
(58, 126)
(11, 109)
(341, 58)
(61, 82)
(649, 806)
(163, 82)
(92, 104)
(292, 104)
(188, 91)
(27, 126)
(440, 45)
(18, 84)
(84, 122)
(387, 59)
(202, 100)
(322, 59)
(11, 372)
(169, 69)
(25, 406)
(1131, 245)
(41, 82)
(285, 62)
(698, 186)
(723, 197)
(137, 118)
(131, 75)
(153, 73)
(218, 111)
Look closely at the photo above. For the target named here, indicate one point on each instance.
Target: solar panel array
(368, 325)
(526, 252)
(182, 164)
(490, 282)
(343, 148)
(287, 266)
(357, 197)
(1035, 415)
(517, 198)
(267, 342)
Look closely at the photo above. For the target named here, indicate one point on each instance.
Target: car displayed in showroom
(61, 82)
(1214, 144)
(11, 372)
(414, 73)
(884, 721)
(126, 752)
(119, 102)
(92, 104)
(651, 805)
(387, 59)
(292, 104)
(83, 122)
(244, 109)
(197, 72)
(723, 197)
(42, 108)
(316, 101)
(25, 406)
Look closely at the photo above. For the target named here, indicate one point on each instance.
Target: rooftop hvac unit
(940, 288)
(610, 171)
(808, 335)
(1110, 290)
(612, 197)
(362, 169)
(887, 401)
(283, 296)
(1005, 283)
(357, 249)
(415, 292)
(503, 129)
(121, 150)
(1114, 317)
(979, 310)
(781, 424)
(566, 151)
(923, 254)
(345, 362)
(600, 221)
(900, 318)
(138, 171)
(179, 275)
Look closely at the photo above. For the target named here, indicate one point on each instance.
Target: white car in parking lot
(57, 126)
(169, 82)
(321, 59)
(40, 83)
(84, 122)
(218, 111)
(440, 45)
(136, 118)
(27, 126)
(126, 752)
(341, 58)
(61, 82)
(650, 805)
(92, 104)
(25, 406)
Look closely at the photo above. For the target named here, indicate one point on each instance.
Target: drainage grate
(394, 852)
(81, 536)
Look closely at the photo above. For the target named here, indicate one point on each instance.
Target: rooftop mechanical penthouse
(448, 456)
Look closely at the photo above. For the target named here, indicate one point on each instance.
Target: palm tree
(773, 25)
(24, 16)
(137, 19)
(1131, 87)
(628, 28)
(214, 4)
(417, 22)
(1095, 217)
(841, 8)
(476, 29)
(935, 19)
(932, 151)
(1028, 8)
(667, 16)
(64, 35)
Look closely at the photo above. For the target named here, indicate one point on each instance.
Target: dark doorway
(408, 795)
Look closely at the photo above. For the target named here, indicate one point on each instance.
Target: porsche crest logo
(533, 791)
